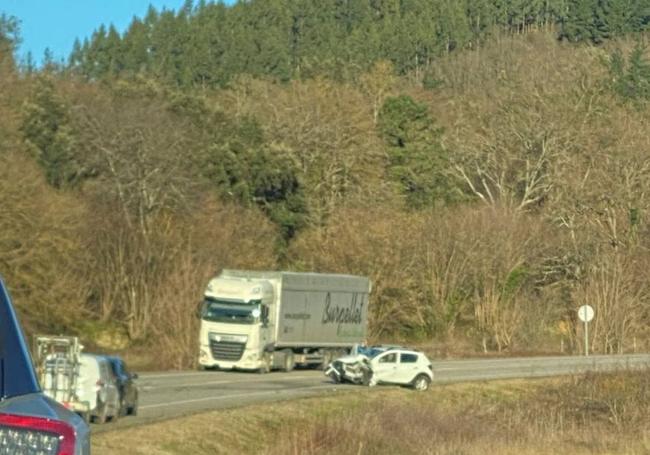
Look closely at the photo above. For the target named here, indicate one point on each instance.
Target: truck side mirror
(199, 310)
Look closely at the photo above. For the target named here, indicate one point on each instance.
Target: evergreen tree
(135, 47)
(619, 17)
(114, 51)
(417, 160)
(75, 59)
(243, 167)
(206, 44)
(47, 130)
(580, 22)
(98, 62)
(28, 65)
(9, 34)
(631, 77)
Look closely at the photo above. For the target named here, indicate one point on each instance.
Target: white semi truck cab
(261, 321)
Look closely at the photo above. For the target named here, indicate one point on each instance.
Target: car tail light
(35, 436)
(99, 384)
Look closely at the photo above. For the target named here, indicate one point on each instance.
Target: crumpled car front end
(354, 369)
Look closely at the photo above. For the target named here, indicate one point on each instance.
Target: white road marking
(229, 381)
(170, 375)
(228, 397)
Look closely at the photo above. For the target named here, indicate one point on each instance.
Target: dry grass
(593, 414)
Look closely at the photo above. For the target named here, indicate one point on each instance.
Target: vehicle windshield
(371, 352)
(230, 312)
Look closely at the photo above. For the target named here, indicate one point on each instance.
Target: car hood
(350, 359)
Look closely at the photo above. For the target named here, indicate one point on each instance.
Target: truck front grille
(226, 350)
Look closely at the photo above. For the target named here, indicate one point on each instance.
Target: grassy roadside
(593, 414)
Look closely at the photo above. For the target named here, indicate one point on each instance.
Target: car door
(130, 385)
(125, 382)
(110, 386)
(408, 367)
(120, 378)
(87, 381)
(384, 367)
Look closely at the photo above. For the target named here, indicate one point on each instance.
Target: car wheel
(124, 410)
(421, 382)
(133, 410)
(102, 415)
(115, 417)
(366, 377)
(333, 374)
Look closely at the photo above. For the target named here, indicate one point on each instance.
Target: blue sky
(55, 24)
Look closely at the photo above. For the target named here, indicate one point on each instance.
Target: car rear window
(408, 358)
(16, 372)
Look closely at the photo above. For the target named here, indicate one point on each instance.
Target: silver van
(97, 385)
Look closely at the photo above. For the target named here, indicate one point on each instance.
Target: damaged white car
(383, 365)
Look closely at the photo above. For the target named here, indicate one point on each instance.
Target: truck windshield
(234, 313)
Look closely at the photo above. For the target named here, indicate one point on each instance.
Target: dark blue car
(31, 423)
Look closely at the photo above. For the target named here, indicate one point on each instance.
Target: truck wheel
(266, 364)
(289, 363)
(421, 382)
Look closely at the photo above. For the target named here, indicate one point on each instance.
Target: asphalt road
(173, 394)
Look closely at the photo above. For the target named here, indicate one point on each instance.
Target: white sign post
(586, 314)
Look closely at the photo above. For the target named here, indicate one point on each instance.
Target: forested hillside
(206, 44)
(486, 163)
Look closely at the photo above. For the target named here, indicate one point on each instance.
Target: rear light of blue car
(26, 435)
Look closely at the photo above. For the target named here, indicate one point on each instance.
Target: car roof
(402, 350)
(17, 375)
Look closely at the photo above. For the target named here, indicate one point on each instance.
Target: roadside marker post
(586, 314)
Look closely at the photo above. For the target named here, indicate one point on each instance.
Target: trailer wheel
(289, 362)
